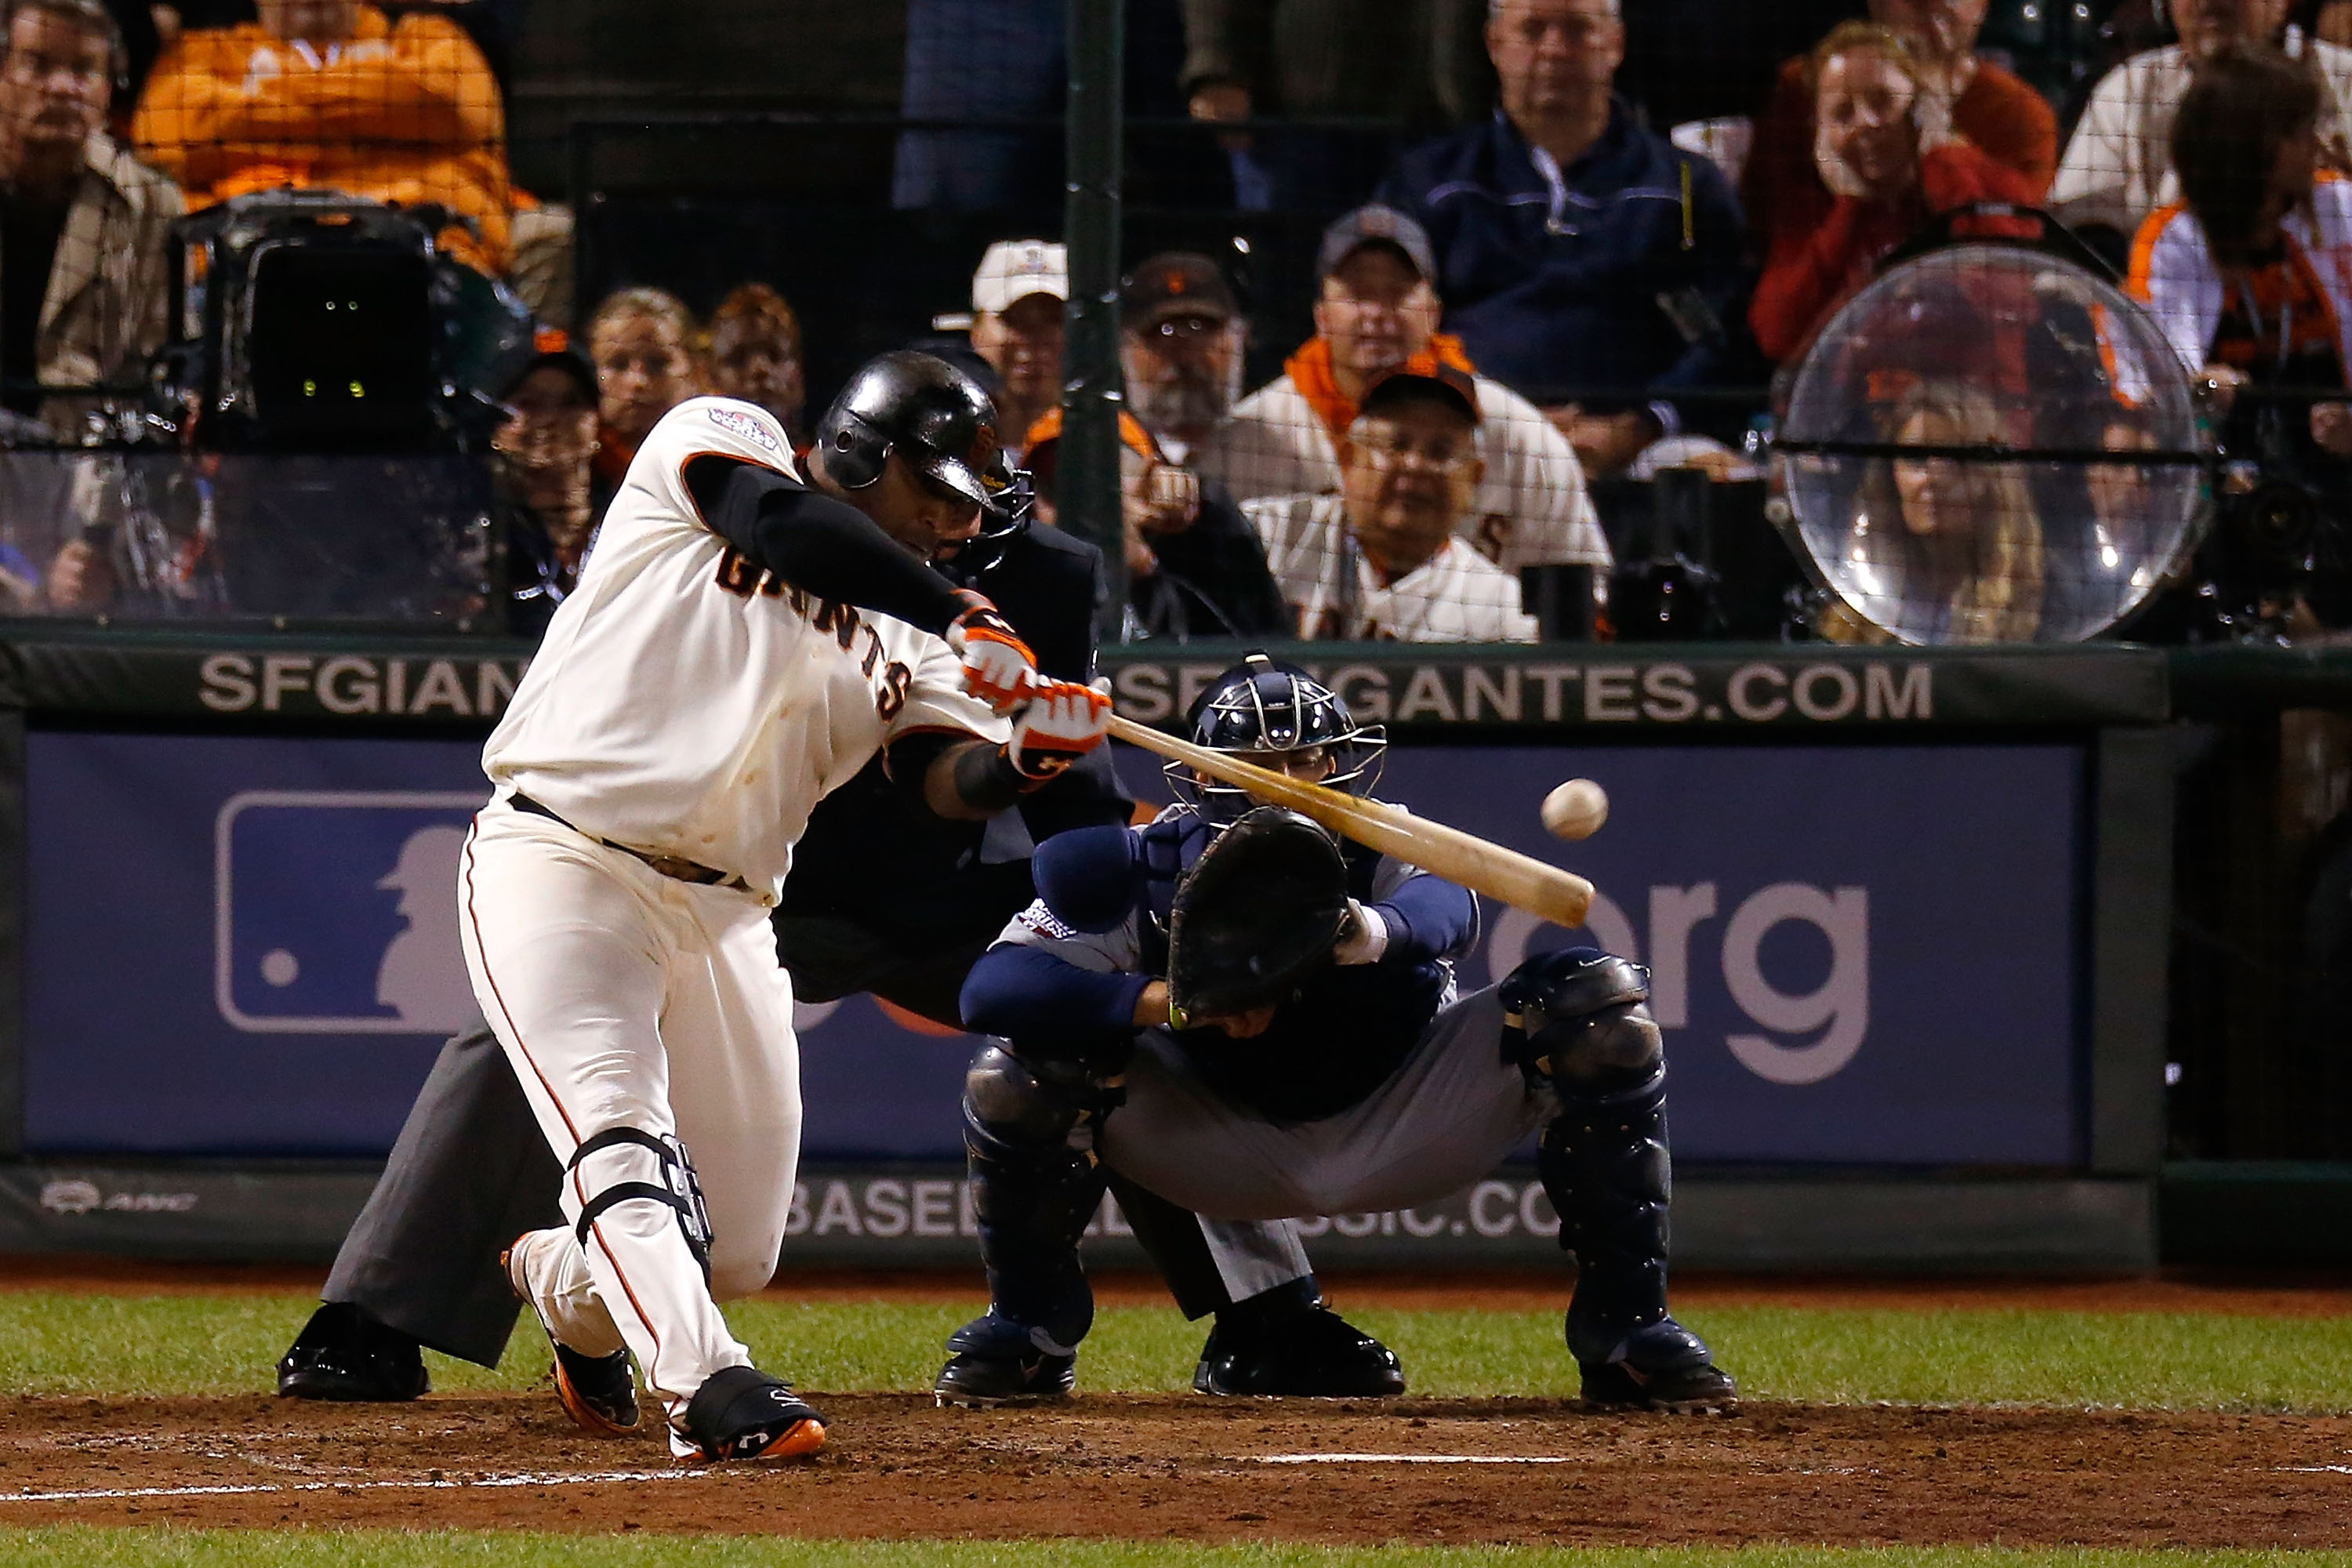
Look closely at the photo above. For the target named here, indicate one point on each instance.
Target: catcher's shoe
(342, 1353)
(1311, 1354)
(741, 1412)
(996, 1362)
(597, 1391)
(1663, 1366)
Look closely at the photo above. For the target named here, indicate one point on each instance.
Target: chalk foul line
(1412, 1459)
(570, 1478)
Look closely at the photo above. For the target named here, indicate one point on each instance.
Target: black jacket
(873, 856)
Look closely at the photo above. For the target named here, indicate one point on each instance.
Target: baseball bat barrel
(1519, 881)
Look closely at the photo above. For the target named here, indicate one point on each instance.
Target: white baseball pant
(628, 999)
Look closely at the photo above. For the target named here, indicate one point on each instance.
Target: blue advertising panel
(1860, 954)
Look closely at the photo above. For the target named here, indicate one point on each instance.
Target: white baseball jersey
(686, 703)
(1456, 595)
(1531, 508)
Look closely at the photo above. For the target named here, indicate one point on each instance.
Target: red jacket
(1808, 275)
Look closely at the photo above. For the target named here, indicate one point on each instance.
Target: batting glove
(1363, 936)
(1062, 723)
(998, 667)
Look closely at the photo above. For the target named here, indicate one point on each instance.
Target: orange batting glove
(998, 667)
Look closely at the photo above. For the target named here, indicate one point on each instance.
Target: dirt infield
(1183, 1467)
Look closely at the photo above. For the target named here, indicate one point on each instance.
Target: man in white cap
(1016, 326)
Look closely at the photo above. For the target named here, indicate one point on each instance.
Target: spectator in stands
(1991, 109)
(2118, 166)
(641, 341)
(1384, 560)
(1377, 310)
(82, 223)
(1885, 148)
(1181, 339)
(1007, 60)
(330, 94)
(1194, 567)
(1955, 546)
(545, 476)
(755, 353)
(1409, 63)
(1583, 258)
(1017, 296)
(2251, 277)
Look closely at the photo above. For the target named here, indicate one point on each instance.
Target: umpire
(881, 899)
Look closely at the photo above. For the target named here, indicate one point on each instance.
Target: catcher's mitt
(1258, 910)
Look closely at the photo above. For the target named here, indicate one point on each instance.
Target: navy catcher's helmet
(1272, 713)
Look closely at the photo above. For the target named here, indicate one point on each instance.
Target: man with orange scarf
(1378, 311)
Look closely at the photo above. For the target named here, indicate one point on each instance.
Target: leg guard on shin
(676, 1187)
(1582, 1023)
(1028, 1138)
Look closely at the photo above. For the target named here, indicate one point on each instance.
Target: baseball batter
(745, 638)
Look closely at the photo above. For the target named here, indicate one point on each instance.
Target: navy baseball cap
(1427, 376)
(1374, 224)
(1176, 283)
(546, 346)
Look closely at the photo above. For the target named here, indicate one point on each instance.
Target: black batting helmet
(1267, 711)
(927, 412)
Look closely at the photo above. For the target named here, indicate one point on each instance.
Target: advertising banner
(1861, 955)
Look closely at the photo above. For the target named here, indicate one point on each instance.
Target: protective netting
(260, 227)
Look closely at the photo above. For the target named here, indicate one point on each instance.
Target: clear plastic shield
(1989, 444)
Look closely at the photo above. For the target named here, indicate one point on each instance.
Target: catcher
(1305, 1054)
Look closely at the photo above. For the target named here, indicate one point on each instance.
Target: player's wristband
(987, 781)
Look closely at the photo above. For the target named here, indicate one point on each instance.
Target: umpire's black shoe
(342, 1353)
(741, 1412)
(1311, 1354)
(1664, 1366)
(995, 1362)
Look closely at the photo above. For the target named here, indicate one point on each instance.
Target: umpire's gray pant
(469, 1174)
(1450, 1113)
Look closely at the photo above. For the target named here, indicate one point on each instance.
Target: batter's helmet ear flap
(855, 455)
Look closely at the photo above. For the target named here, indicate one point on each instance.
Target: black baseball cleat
(741, 1412)
(995, 1363)
(344, 1355)
(596, 1391)
(1311, 1354)
(1663, 1366)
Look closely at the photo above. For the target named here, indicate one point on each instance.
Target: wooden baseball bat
(1519, 881)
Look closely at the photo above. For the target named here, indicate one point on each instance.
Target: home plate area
(1182, 1465)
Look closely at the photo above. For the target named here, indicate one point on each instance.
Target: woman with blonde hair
(642, 342)
(1946, 548)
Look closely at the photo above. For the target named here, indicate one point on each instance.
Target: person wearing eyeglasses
(1383, 561)
(1376, 307)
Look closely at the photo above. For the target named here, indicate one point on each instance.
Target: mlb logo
(336, 912)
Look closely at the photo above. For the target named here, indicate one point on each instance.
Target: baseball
(1576, 809)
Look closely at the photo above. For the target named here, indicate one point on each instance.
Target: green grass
(82, 1344)
(105, 1548)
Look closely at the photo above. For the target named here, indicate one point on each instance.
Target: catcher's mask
(1273, 713)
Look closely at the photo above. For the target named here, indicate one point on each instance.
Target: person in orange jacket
(330, 94)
